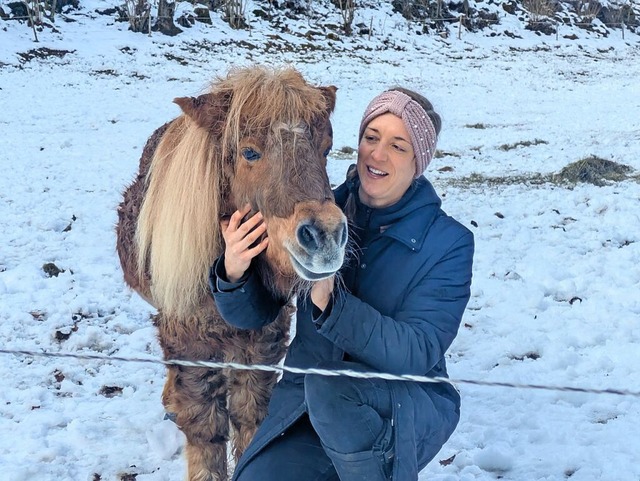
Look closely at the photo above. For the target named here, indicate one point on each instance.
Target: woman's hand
(240, 238)
(321, 292)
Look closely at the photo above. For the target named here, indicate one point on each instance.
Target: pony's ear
(207, 111)
(329, 94)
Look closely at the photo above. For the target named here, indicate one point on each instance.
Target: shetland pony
(259, 136)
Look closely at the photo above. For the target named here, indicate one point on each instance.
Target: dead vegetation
(43, 54)
(593, 170)
(346, 19)
(590, 170)
(524, 143)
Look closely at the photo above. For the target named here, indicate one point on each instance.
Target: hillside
(539, 157)
(340, 24)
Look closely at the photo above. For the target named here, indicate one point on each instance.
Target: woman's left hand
(321, 292)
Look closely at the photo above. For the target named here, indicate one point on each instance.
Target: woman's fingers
(250, 224)
(236, 218)
(258, 248)
(243, 240)
(234, 225)
(248, 233)
(255, 233)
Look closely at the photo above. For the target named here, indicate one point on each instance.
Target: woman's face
(385, 161)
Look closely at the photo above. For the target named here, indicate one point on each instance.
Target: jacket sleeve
(246, 304)
(417, 337)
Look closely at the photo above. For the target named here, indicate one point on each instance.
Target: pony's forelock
(262, 98)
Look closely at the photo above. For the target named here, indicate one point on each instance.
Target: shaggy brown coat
(259, 136)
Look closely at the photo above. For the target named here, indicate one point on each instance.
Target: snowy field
(556, 288)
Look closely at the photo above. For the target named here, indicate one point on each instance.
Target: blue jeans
(347, 435)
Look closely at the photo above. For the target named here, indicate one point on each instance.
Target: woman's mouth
(376, 172)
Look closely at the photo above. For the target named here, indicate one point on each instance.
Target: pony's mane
(178, 233)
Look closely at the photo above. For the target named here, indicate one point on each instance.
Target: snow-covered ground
(556, 289)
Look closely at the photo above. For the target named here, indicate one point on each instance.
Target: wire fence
(323, 372)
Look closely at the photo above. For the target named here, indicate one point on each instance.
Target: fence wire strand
(322, 372)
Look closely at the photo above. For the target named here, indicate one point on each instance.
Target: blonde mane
(178, 234)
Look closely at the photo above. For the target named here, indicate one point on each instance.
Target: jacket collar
(408, 220)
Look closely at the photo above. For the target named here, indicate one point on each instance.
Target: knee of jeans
(326, 394)
(317, 389)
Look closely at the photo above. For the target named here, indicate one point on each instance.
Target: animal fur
(193, 171)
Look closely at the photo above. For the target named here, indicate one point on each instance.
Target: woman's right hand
(240, 238)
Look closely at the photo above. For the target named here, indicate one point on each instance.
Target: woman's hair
(425, 104)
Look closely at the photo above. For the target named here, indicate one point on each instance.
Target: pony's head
(259, 136)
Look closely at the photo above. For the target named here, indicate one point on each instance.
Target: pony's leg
(250, 391)
(249, 395)
(197, 398)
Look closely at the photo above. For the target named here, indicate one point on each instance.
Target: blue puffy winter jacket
(400, 309)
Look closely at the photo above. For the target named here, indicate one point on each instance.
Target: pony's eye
(326, 152)
(250, 154)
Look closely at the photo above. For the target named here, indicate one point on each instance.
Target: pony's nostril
(342, 235)
(309, 237)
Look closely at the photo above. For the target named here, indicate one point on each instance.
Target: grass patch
(594, 170)
(475, 126)
(345, 152)
(524, 143)
(491, 181)
(43, 53)
(440, 154)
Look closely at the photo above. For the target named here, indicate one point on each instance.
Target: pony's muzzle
(313, 238)
(318, 245)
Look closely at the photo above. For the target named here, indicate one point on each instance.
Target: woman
(398, 312)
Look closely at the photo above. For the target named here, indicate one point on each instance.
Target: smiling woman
(386, 164)
(396, 310)
(387, 161)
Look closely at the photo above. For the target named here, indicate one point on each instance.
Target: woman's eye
(251, 154)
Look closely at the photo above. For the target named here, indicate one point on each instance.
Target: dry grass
(539, 8)
(592, 170)
(524, 143)
(492, 181)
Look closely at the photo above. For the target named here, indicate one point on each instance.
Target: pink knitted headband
(421, 129)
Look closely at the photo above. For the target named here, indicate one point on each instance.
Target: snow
(555, 296)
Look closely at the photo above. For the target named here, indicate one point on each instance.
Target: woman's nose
(379, 153)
